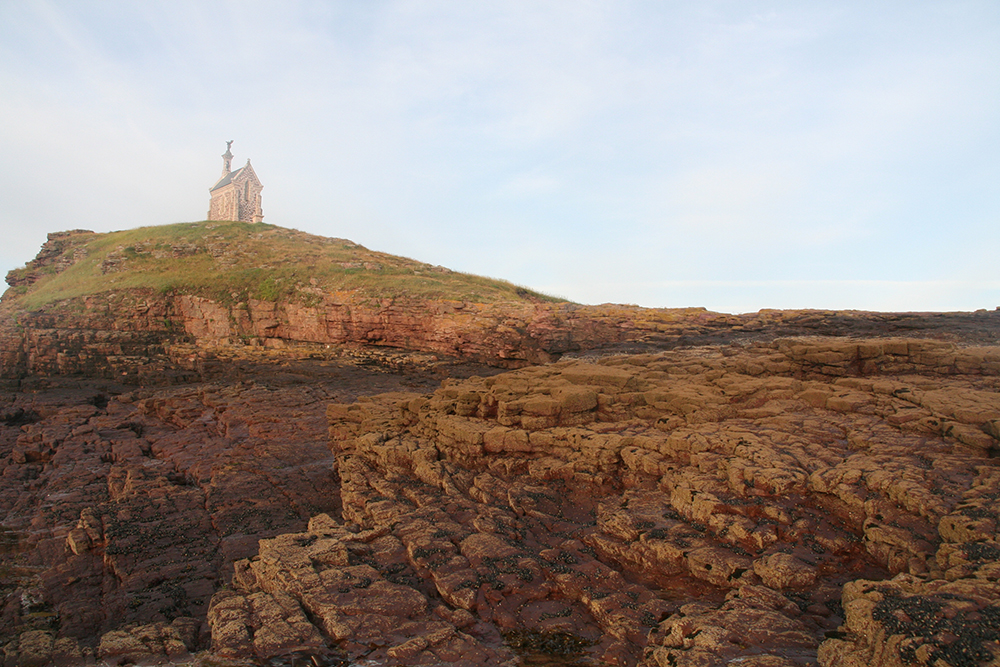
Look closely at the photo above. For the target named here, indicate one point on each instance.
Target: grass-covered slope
(234, 261)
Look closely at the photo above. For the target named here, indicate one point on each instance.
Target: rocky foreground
(235, 444)
(802, 501)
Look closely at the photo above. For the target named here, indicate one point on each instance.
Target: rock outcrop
(123, 511)
(142, 338)
(141, 335)
(806, 501)
(765, 505)
(286, 480)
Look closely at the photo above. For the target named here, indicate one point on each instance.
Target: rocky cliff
(800, 502)
(766, 506)
(117, 306)
(294, 484)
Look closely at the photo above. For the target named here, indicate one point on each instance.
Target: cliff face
(136, 334)
(130, 333)
(680, 488)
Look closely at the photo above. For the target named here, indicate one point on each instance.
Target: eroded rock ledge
(121, 513)
(171, 336)
(808, 501)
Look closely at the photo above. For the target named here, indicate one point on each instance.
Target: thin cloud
(611, 151)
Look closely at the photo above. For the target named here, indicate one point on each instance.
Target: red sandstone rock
(131, 510)
(146, 337)
(595, 499)
(700, 482)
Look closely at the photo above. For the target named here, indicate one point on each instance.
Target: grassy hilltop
(236, 261)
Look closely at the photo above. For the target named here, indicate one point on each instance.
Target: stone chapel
(236, 195)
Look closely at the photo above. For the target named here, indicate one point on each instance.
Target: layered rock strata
(122, 513)
(145, 336)
(800, 503)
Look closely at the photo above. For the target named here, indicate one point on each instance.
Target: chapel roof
(227, 179)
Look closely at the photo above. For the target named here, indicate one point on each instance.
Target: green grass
(231, 262)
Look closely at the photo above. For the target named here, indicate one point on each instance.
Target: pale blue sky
(734, 155)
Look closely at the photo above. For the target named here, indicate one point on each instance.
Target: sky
(735, 155)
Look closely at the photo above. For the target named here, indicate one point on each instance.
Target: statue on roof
(227, 159)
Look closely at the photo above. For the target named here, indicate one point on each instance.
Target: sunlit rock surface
(808, 501)
(805, 501)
